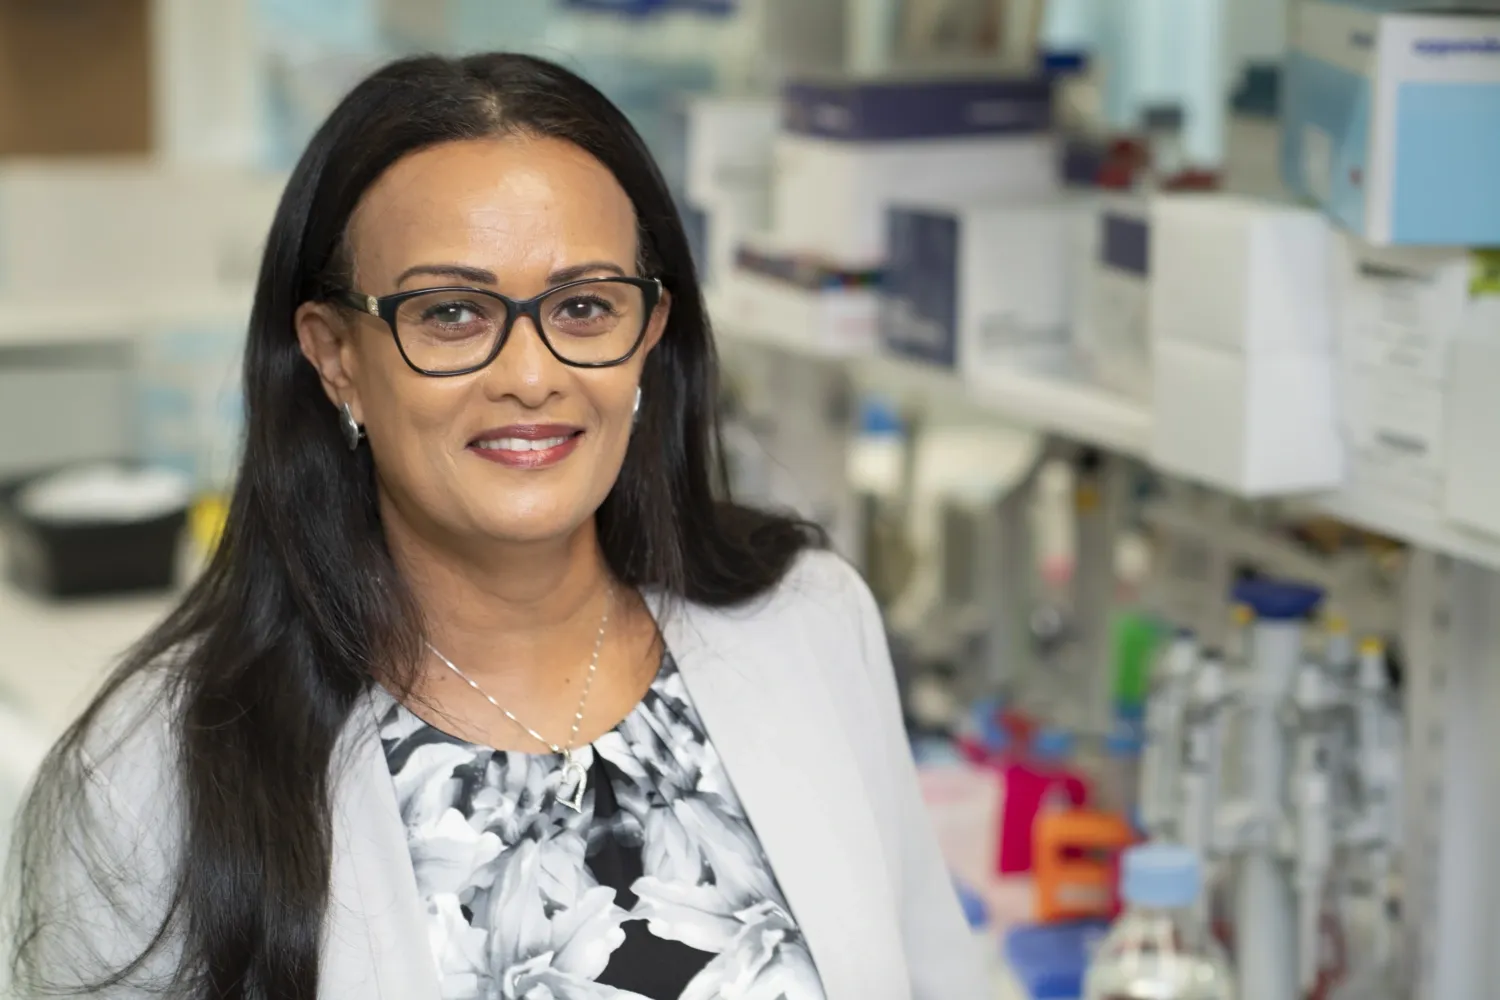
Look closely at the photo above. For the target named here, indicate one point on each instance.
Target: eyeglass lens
(588, 323)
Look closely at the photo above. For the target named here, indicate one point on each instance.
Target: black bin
(88, 558)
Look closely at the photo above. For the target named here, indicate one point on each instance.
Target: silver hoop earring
(353, 432)
(637, 411)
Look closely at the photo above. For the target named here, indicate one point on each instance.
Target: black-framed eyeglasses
(456, 329)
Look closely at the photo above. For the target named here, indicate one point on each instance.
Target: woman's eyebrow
(471, 275)
(576, 271)
(480, 276)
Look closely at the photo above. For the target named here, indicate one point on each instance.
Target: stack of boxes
(1288, 357)
(1402, 310)
(1392, 126)
(847, 148)
(1242, 324)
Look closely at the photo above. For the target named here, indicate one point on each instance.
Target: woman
(485, 694)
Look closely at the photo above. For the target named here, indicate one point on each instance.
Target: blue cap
(1053, 744)
(992, 734)
(1160, 876)
(1278, 601)
(877, 416)
(1124, 742)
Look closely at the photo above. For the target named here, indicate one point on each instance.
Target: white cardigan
(797, 692)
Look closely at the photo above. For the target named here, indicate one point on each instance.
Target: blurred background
(1142, 353)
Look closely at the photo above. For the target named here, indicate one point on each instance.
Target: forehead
(519, 206)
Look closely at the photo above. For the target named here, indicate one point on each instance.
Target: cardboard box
(1240, 274)
(905, 108)
(1251, 424)
(1400, 308)
(1112, 331)
(76, 77)
(729, 148)
(1391, 121)
(728, 177)
(971, 287)
(829, 197)
(1471, 494)
(833, 322)
(851, 145)
(1396, 435)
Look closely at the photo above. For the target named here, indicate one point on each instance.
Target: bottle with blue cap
(1158, 949)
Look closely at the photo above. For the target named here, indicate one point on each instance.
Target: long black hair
(301, 609)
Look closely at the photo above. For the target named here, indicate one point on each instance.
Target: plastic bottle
(1119, 789)
(1042, 781)
(1157, 949)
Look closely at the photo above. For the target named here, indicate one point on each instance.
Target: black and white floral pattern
(659, 889)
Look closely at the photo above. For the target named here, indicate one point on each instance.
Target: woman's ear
(658, 325)
(324, 336)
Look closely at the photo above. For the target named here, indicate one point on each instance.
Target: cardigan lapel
(375, 940)
(770, 719)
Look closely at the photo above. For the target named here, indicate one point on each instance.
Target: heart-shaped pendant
(576, 777)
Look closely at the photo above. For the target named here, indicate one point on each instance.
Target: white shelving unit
(1075, 409)
(55, 320)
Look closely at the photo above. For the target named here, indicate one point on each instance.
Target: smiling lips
(527, 446)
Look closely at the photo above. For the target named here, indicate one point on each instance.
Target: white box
(1395, 433)
(729, 143)
(976, 286)
(1111, 332)
(828, 196)
(1391, 121)
(835, 323)
(1251, 424)
(1400, 309)
(1240, 273)
(1471, 494)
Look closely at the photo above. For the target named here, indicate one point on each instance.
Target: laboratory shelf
(1057, 403)
(1069, 407)
(1417, 526)
(1073, 408)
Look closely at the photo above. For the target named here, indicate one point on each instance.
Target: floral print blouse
(658, 889)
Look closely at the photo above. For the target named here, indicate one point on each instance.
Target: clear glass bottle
(1159, 949)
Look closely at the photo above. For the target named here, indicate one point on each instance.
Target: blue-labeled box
(974, 286)
(887, 109)
(1391, 121)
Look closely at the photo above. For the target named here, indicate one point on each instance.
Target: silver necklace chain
(574, 774)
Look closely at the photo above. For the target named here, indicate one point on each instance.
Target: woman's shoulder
(821, 596)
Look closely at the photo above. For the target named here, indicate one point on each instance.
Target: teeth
(521, 444)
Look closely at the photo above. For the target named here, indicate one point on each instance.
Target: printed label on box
(919, 316)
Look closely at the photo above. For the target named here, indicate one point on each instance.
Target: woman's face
(527, 448)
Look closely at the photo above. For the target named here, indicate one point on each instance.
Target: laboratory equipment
(1264, 905)
(1160, 949)
(1165, 716)
(1120, 775)
(1075, 865)
(1204, 723)
(1040, 781)
(1164, 61)
(1048, 961)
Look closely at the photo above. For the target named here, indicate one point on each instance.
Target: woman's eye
(582, 309)
(451, 314)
